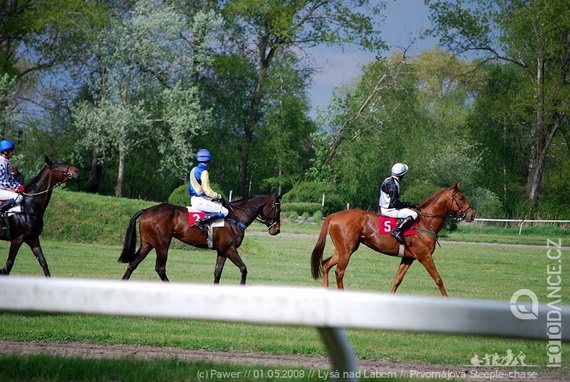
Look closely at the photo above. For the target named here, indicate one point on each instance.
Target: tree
(531, 35)
(145, 91)
(264, 28)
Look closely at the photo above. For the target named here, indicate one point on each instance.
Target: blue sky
(404, 20)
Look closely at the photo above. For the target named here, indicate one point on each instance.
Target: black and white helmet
(399, 169)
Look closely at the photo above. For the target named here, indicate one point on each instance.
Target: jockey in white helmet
(390, 204)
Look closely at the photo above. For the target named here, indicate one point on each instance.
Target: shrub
(312, 193)
(180, 196)
(418, 194)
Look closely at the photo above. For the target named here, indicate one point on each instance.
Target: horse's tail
(130, 243)
(317, 256)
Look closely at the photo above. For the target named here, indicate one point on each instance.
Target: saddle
(194, 214)
(387, 224)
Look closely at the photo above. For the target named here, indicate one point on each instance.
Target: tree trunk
(121, 174)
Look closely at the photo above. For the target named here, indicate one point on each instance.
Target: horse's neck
(439, 209)
(40, 191)
(248, 211)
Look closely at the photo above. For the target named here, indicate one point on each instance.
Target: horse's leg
(234, 256)
(402, 269)
(345, 243)
(220, 261)
(429, 265)
(161, 257)
(327, 265)
(139, 257)
(14, 248)
(37, 250)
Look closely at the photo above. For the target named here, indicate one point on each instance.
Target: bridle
(66, 172)
(260, 218)
(459, 215)
(462, 213)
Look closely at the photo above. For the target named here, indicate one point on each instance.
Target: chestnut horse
(349, 228)
(160, 223)
(26, 226)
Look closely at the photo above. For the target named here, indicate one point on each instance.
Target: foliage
(142, 96)
(180, 196)
(534, 38)
(299, 209)
(312, 192)
(417, 194)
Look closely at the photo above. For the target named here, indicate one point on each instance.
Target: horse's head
(62, 172)
(460, 205)
(271, 215)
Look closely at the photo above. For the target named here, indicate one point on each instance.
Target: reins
(461, 215)
(264, 221)
(57, 184)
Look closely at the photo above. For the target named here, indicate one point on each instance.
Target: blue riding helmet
(7, 145)
(203, 156)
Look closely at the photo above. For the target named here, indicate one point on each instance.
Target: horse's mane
(432, 198)
(249, 198)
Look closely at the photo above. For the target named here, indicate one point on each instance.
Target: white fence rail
(522, 221)
(328, 310)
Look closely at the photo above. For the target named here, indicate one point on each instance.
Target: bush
(298, 209)
(418, 194)
(312, 193)
(180, 196)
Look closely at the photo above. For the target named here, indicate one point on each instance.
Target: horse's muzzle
(275, 229)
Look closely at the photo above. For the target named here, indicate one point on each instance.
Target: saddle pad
(194, 214)
(386, 225)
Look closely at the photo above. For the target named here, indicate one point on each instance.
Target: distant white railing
(521, 221)
(328, 310)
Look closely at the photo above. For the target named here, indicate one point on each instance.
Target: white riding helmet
(399, 169)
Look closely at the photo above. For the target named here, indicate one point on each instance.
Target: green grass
(470, 271)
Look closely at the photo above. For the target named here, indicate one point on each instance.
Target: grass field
(470, 271)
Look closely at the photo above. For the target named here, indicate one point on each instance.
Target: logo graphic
(521, 310)
(508, 359)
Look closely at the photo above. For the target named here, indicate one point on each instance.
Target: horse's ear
(456, 186)
(48, 161)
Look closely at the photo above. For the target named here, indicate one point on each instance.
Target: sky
(403, 18)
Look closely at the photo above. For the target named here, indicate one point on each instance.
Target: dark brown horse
(159, 224)
(349, 228)
(26, 226)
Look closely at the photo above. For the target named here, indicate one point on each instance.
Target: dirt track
(371, 367)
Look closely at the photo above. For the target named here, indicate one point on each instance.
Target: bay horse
(160, 223)
(349, 228)
(26, 226)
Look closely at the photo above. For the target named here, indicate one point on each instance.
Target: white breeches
(399, 213)
(205, 204)
(7, 195)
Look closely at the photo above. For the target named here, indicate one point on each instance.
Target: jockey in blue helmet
(10, 190)
(390, 204)
(202, 196)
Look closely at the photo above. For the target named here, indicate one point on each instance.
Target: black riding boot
(7, 205)
(398, 232)
(201, 222)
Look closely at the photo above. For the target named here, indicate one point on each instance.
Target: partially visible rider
(10, 189)
(202, 196)
(390, 204)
